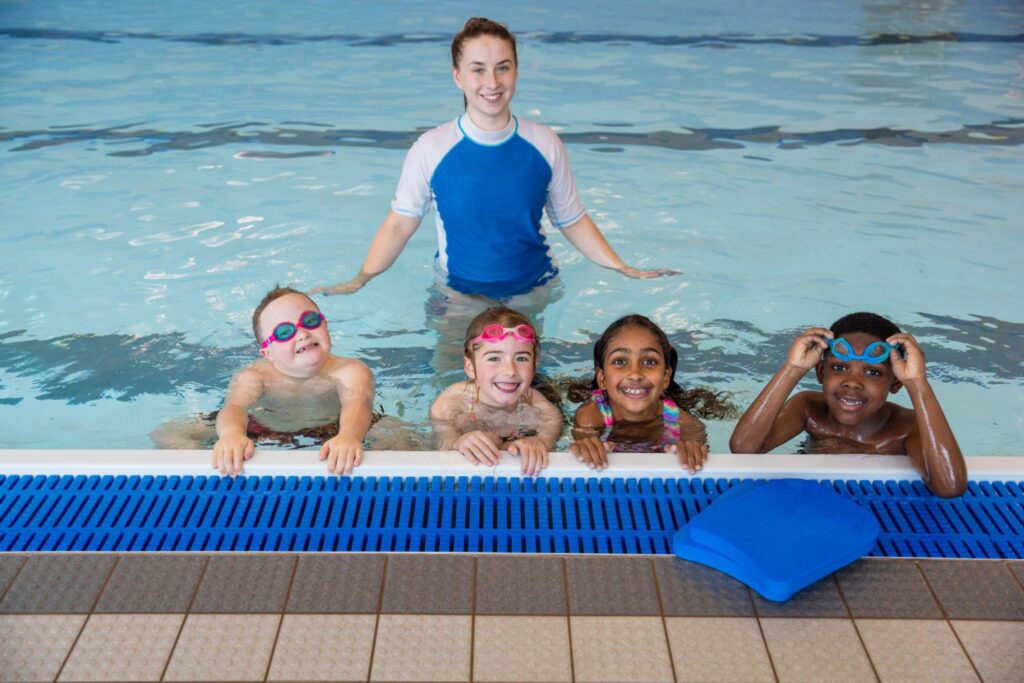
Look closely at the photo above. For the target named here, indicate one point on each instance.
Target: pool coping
(305, 462)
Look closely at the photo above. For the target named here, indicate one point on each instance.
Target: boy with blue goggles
(857, 368)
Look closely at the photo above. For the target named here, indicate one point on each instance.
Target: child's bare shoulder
(348, 370)
(588, 415)
(450, 402)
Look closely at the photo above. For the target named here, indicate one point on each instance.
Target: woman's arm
(391, 238)
(588, 240)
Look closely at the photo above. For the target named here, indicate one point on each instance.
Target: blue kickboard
(778, 536)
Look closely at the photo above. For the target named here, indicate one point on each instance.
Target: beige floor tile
(422, 647)
(123, 647)
(218, 647)
(323, 647)
(620, 649)
(816, 650)
(33, 646)
(915, 650)
(995, 647)
(718, 649)
(521, 649)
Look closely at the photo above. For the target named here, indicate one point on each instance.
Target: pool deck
(495, 617)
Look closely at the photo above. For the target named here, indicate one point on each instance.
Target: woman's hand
(646, 273)
(353, 285)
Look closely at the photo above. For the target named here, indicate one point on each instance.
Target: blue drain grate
(448, 514)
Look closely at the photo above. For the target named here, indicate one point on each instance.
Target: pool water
(163, 166)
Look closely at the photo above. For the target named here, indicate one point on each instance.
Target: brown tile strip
(237, 584)
(612, 586)
(693, 590)
(9, 567)
(1017, 567)
(887, 588)
(519, 585)
(820, 599)
(975, 589)
(57, 584)
(429, 584)
(151, 583)
(340, 584)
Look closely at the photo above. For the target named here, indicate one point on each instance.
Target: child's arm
(355, 392)
(587, 446)
(771, 420)
(233, 445)
(533, 450)
(930, 444)
(478, 446)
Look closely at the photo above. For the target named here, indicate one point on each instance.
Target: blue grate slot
(621, 516)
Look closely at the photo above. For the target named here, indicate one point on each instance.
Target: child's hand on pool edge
(591, 451)
(229, 452)
(479, 447)
(534, 453)
(342, 453)
(692, 454)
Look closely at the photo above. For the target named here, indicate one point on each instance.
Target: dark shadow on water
(81, 368)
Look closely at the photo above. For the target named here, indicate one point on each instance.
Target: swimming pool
(163, 166)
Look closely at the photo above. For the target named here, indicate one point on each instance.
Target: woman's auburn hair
(481, 26)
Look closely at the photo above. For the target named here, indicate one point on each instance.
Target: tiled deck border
(291, 616)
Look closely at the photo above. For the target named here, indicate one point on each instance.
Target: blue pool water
(162, 166)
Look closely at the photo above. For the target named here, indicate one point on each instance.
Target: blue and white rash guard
(490, 188)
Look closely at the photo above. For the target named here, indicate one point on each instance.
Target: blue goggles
(876, 352)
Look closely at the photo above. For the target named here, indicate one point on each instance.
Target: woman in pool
(491, 174)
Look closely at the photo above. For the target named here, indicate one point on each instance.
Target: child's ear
(467, 367)
(265, 352)
(895, 386)
(599, 375)
(819, 371)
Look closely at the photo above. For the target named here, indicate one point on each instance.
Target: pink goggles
(495, 333)
(310, 320)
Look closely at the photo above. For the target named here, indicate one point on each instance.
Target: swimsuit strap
(601, 401)
(670, 414)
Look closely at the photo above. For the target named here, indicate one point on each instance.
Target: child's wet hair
(481, 26)
(506, 317)
(698, 401)
(867, 323)
(276, 293)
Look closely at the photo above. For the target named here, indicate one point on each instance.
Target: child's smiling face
(304, 354)
(854, 390)
(634, 374)
(501, 370)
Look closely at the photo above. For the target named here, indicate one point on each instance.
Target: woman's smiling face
(486, 75)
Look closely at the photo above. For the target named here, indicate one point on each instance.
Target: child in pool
(859, 361)
(631, 409)
(296, 387)
(497, 408)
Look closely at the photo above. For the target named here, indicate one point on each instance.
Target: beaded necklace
(669, 413)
